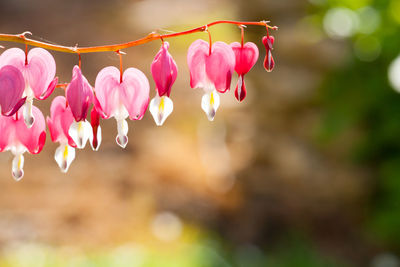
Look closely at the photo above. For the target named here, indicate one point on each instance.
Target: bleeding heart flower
(210, 71)
(79, 97)
(164, 72)
(96, 128)
(246, 56)
(120, 97)
(59, 123)
(12, 87)
(269, 62)
(15, 136)
(38, 69)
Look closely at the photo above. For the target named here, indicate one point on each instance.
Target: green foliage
(291, 252)
(359, 103)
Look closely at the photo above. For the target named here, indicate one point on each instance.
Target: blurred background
(304, 172)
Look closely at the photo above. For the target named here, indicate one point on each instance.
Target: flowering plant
(27, 75)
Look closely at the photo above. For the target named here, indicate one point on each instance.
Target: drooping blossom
(18, 138)
(12, 86)
(269, 62)
(38, 69)
(210, 71)
(79, 96)
(164, 72)
(246, 56)
(96, 128)
(121, 96)
(59, 123)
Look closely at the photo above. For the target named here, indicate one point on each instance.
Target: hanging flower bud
(164, 72)
(95, 122)
(17, 138)
(38, 69)
(210, 71)
(269, 62)
(79, 97)
(246, 56)
(120, 97)
(12, 87)
(59, 123)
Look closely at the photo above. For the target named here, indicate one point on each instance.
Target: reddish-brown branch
(20, 38)
(120, 65)
(210, 41)
(62, 85)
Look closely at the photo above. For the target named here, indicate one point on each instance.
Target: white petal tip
(17, 167)
(27, 113)
(29, 121)
(161, 108)
(80, 132)
(64, 156)
(210, 103)
(211, 115)
(122, 140)
(17, 175)
(79, 143)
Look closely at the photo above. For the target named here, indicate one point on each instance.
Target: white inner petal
(80, 132)
(18, 166)
(27, 111)
(121, 112)
(161, 108)
(64, 156)
(210, 103)
(208, 86)
(122, 136)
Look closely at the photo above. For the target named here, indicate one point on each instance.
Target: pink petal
(164, 70)
(49, 90)
(19, 104)
(79, 94)
(134, 92)
(95, 122)
(107, 90)
(14, 57)
(240, 90)
(220, 65)
(5, 130)
(12, 87)
(269, 62)
(246, 56)
(196, 59)
(40, 70)
(215, 68)
(97, 105)
(32, 138)
(60, 120)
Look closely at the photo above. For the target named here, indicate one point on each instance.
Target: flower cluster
(25, 76)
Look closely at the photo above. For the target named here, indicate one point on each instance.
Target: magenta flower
(12, 86)
(121, 96)
(96, 129)
(79, 96)
(59, 123)
(38, 69)
(246, 56)
(210, 71)
(15, 136)
(164, 72)
(269, 62)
